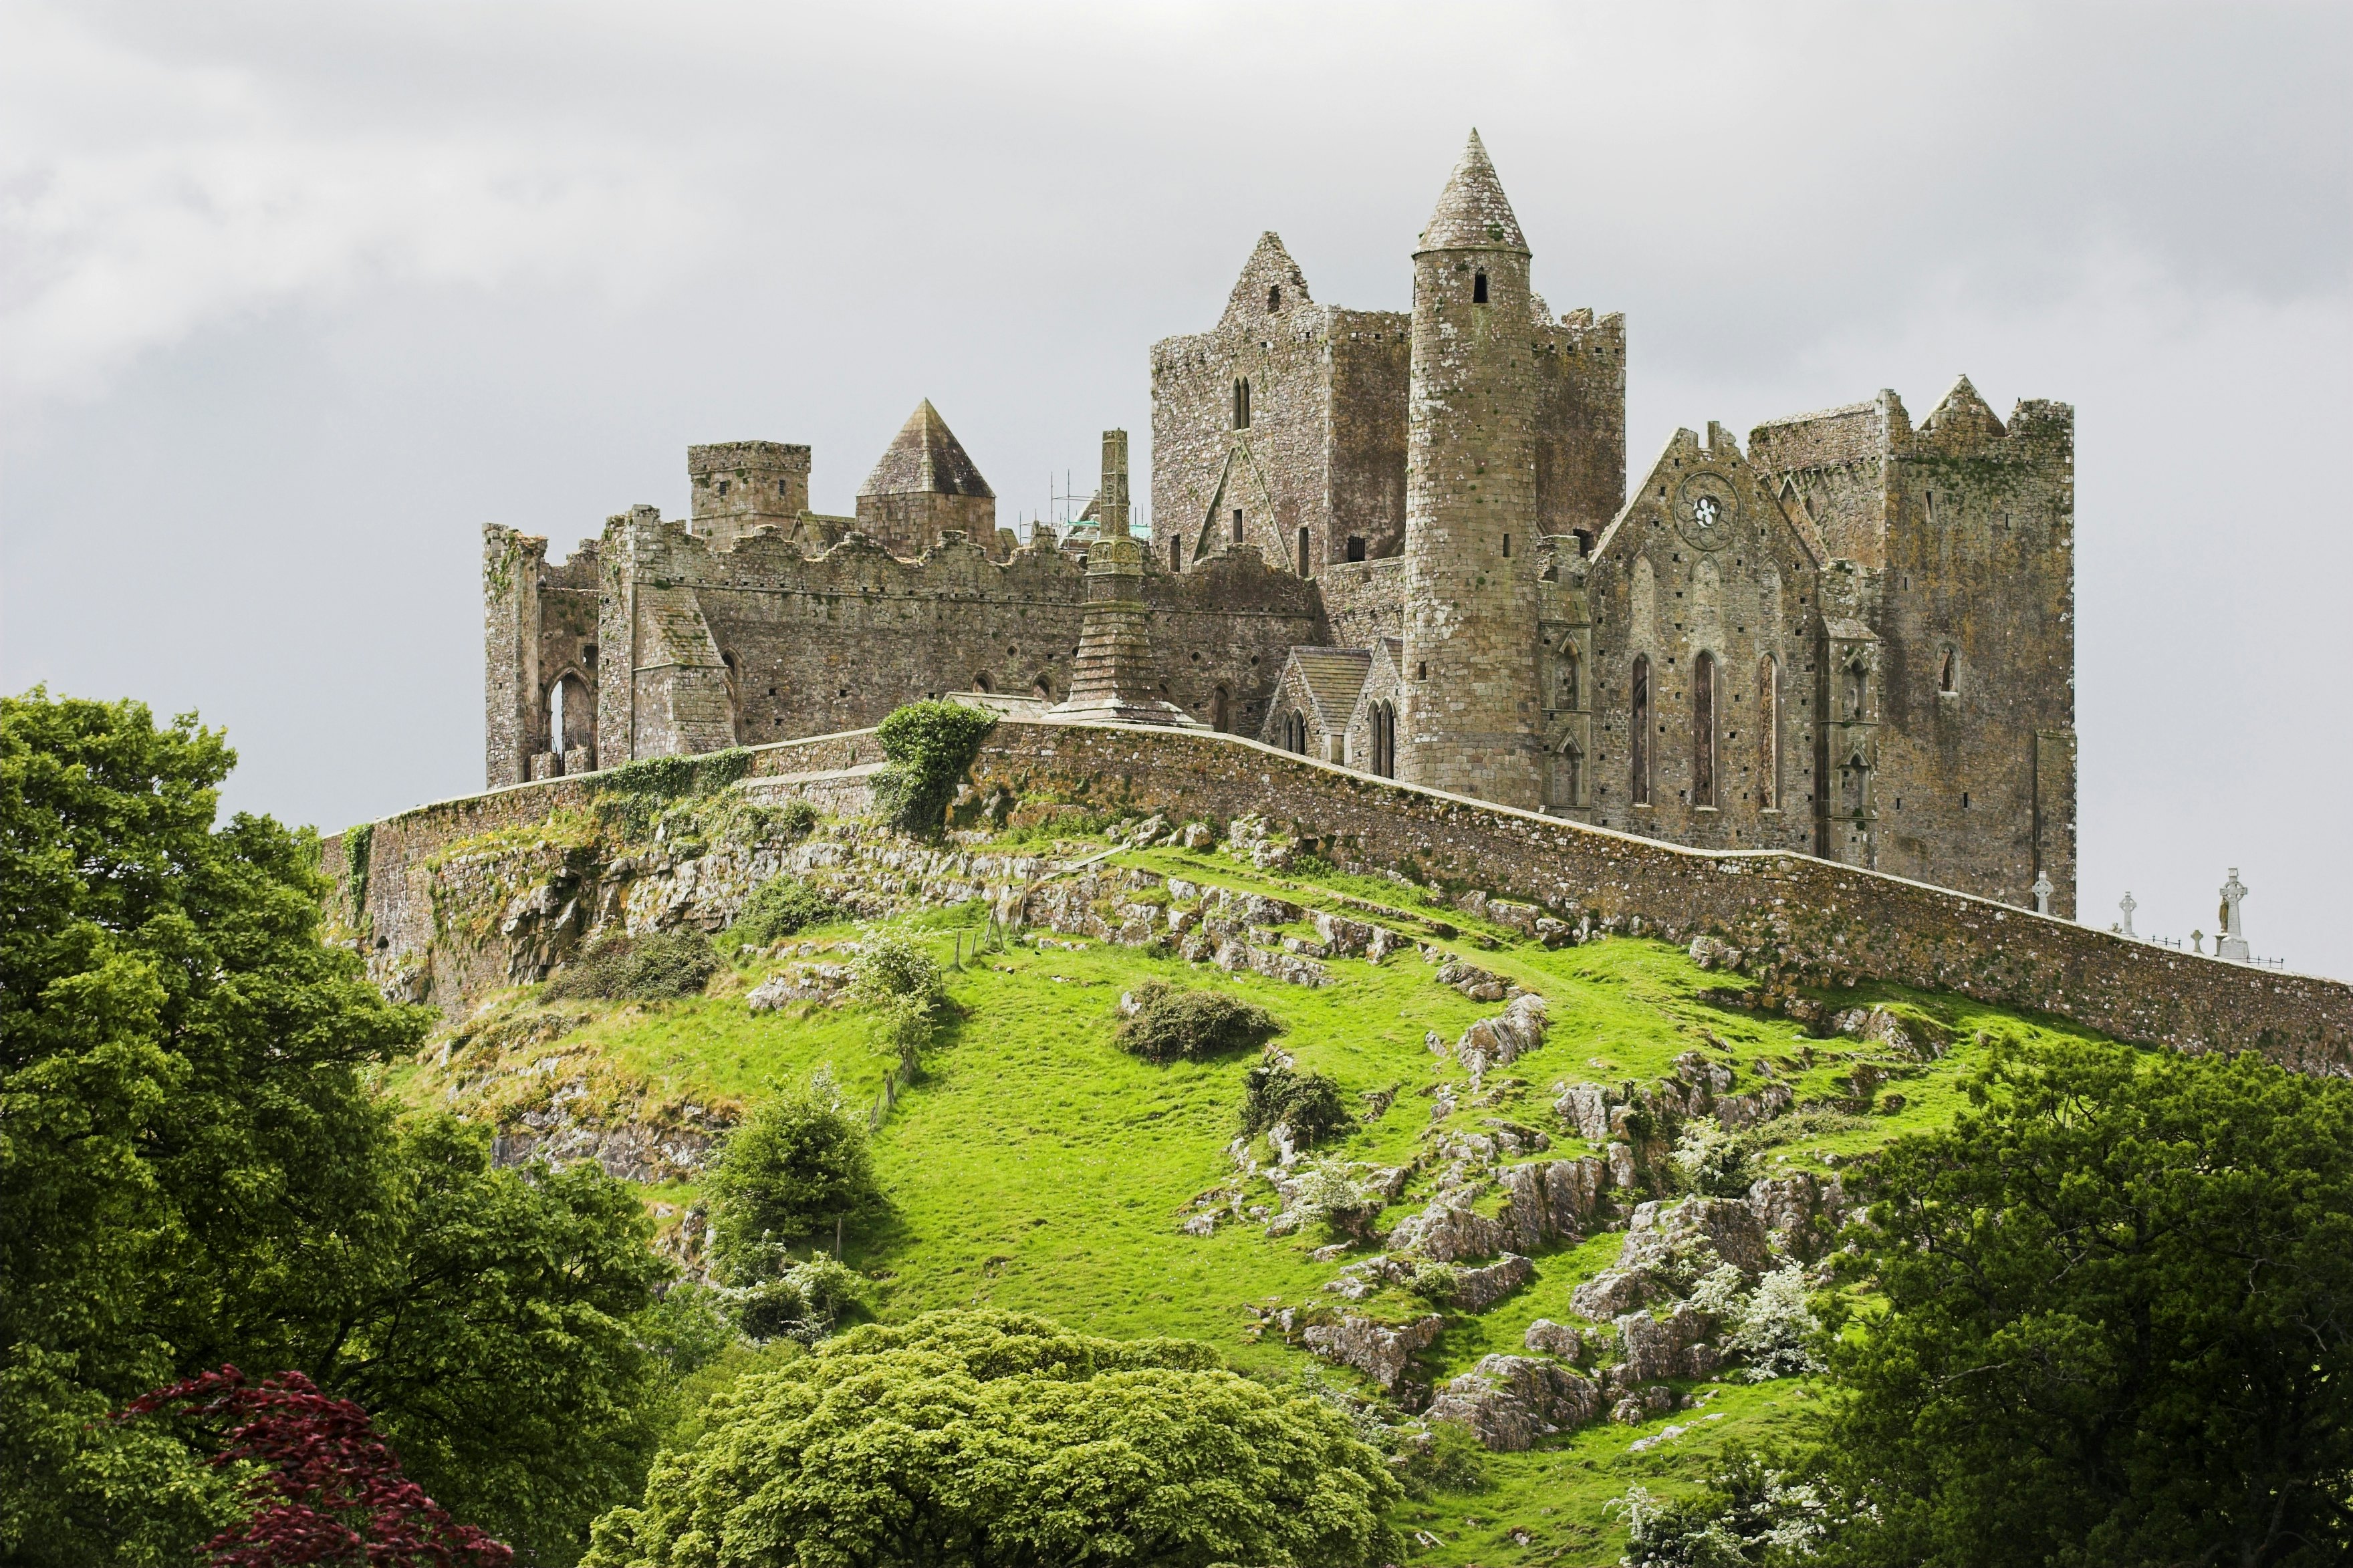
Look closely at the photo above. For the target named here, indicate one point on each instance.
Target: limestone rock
(1551, 1200)
(1502, 1039)
(1445, 1231)
(1510, 1400)
(1660, 1232)
(1786, 1206)
(1549, 1338)
(1473, 981)
(1650, 1349)
(801, 983)
(1197, 835)
(1585, 1107)
(1379, 1350)
(1620, 1156)
(1476, 1290)
(1611, 1293)
(1641, 1404)
(1749, 1109)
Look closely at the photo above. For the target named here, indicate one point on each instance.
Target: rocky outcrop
(1550, 1200)
(1380, 1351)
(1510, 1400)
(1446, 1231)
(1641, 1404)
(1611, 1293)
(672, 1143)
(1476, 1290)
(1651, 1350)
(1504, 1039)
(1549, 1338)
(1663, 1235)
(1345, 938)
(1585, 1107)
(1473, 981)
(1789, 1208)
(800, 982)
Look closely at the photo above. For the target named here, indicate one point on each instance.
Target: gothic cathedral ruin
(1402, 543)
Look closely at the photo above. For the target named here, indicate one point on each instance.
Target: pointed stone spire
(926, 458)
(926, 487)
(1473, 213)
(1963, 414)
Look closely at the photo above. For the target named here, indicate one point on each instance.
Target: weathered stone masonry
(1805, 917)
(1853, 640)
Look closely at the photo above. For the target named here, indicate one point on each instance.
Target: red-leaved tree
(328, 1493)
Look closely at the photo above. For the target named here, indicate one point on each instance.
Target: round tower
(1471, 719)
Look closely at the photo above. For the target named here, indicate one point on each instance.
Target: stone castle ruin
(1402, 542)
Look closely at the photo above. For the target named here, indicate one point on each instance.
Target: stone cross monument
(1113, 677)
(2127, 904)
(2231, 942)
(2042, 890)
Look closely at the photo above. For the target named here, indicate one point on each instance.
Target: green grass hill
(1033, 1165)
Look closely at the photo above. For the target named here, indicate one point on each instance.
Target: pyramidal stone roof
(1473, 213)
(926, 458)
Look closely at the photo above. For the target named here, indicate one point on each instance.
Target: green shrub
(1436, 1283)
(1327, 1194)
(1452, 1460)
(794, 1299)
(795, 1166)
(929, 745)
(1171, 1024)
(620, 968)
(1308, 1103)
(892, 968)
(780, 908)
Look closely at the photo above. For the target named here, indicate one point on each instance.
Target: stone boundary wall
(1808, 919)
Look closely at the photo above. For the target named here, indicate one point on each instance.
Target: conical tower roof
(1473, 213)
(926, 458)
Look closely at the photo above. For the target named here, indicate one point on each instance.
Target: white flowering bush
(1751, 1514)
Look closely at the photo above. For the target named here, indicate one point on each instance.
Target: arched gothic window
(1294, 731)
(1274, 297)
(1241, 404)
(1385, 740)
(1768, 733)
(1641, 747)
(1945, 672)
(1220, 710)
(1704, 730)
(1564, 781)
(1567, 674)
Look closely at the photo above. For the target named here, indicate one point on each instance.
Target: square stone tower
(738, 486)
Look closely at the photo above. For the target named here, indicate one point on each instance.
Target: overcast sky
(295, 297)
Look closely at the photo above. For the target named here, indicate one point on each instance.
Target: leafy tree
(192, 1174)
(498, 1344)
(1173, 1023)
(184, 1145)
(794, 1166)
(984, 1439)
(2118, 1292)
(322, 1486)
(928, 747)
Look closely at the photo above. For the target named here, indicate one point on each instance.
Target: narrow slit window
(1479, 289)
(1274, 298)
(1768, 733)
(1241, 404)
(1304, 544)
(1507, 547)
(1704, 730)
(1945, 673)
(1642, 729)
(1238, 525)
(1176, 556)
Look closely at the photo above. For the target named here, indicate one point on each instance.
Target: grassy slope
(1035, 1167)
